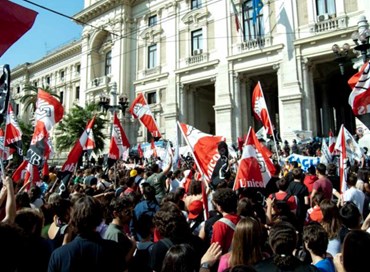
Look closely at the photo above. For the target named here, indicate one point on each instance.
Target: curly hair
(316, 238)
(171, 223)
(226, 199)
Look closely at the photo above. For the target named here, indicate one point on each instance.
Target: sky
(49, 31)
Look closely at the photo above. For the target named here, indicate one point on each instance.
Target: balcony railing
(197, 59)
(99, 81)
(255, 43)
(152, 71)
(331, 24)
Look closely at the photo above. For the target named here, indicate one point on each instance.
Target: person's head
(62, 209)
(297, 173)
(246, 243)
(351, 180)
(195, 187)
(22, 200)
(317, 198)
(283, 238)
(245, 207)
(293, 164)
(332, 169)
(30, 220)
(311, 170)
(350, 215)
(226, 200)
(171, 222)
(155, 168)
(149, 192)
(121, 209)
(315, 239)
(35, 193)
(195, 210)
(321, 169)
(177, 174)
(180, 258)
(356, 250)
(331, 219)
(87, 215)
(12, 244)
(282, 184)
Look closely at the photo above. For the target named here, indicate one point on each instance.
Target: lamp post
(340, 55)
(107, 104)
(361, 38)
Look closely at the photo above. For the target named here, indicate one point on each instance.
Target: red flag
(255, 168)
(119, 142)
(141, 110)
(49, 111)
(260, 109)
(331, 142)
(359, 98)
(236, 16)
(19, 172)
(204, 147)
(343, 159)
(140, 151)
(90, 141)
(76, 152)
(15, 21)
(45, 169)
(13, 133)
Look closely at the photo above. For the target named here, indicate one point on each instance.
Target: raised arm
(10, 201)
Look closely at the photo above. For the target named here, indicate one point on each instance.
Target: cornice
(99, 8)
(264, 50)
(325, 36)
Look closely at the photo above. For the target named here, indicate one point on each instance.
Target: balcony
(152, 71)
(331, 24)
(198, 58)
(99, 82)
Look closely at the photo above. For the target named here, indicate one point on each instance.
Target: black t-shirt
(335, 180)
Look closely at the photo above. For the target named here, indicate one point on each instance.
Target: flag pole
(269, 119)
(205, 202)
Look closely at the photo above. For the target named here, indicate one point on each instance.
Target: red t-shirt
(292, 202)
(309, 180)
(324, 186)
(223, 234)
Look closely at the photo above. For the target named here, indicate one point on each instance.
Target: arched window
(108, 63)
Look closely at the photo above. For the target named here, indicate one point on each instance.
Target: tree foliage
(74, 123)
(29, 98)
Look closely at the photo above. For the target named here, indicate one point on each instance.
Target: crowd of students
(152, 219)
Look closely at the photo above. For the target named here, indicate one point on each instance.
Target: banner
(119, 142)
(304, 161)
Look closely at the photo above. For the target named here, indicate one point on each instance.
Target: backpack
(141, 259)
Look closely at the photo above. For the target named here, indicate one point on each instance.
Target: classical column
(309, 100)
(237, 105)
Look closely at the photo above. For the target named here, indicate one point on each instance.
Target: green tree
(74, 123)
(29, 98)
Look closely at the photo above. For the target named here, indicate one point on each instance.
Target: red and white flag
(238, 25)
(13, 133)
(4, 151)
(255, 168)
(26, 171)
(20, 172)
(331, 142)
(15, 20)
(359, 98)
(260, 108)
(119, 142)
(141, 110)
(204, 147)
(49, 111)
(76, 152)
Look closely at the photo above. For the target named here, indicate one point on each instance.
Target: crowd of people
(149, 218)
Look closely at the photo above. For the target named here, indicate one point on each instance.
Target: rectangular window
(47, 80)
(62, 75)
(108, 63)
(35, 83)
(16, 109)
(152, 20)
(252, 31)
(77, 95)
(152, 56)
(18, 89)
(152, 97)
(61, 96)
(78, 69)
(325, 7)
(197, 42)
(196, 4)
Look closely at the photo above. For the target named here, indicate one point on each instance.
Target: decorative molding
(195, 16)
(151, 33)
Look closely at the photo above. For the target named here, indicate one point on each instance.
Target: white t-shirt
(356, 196)
(175, 183)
